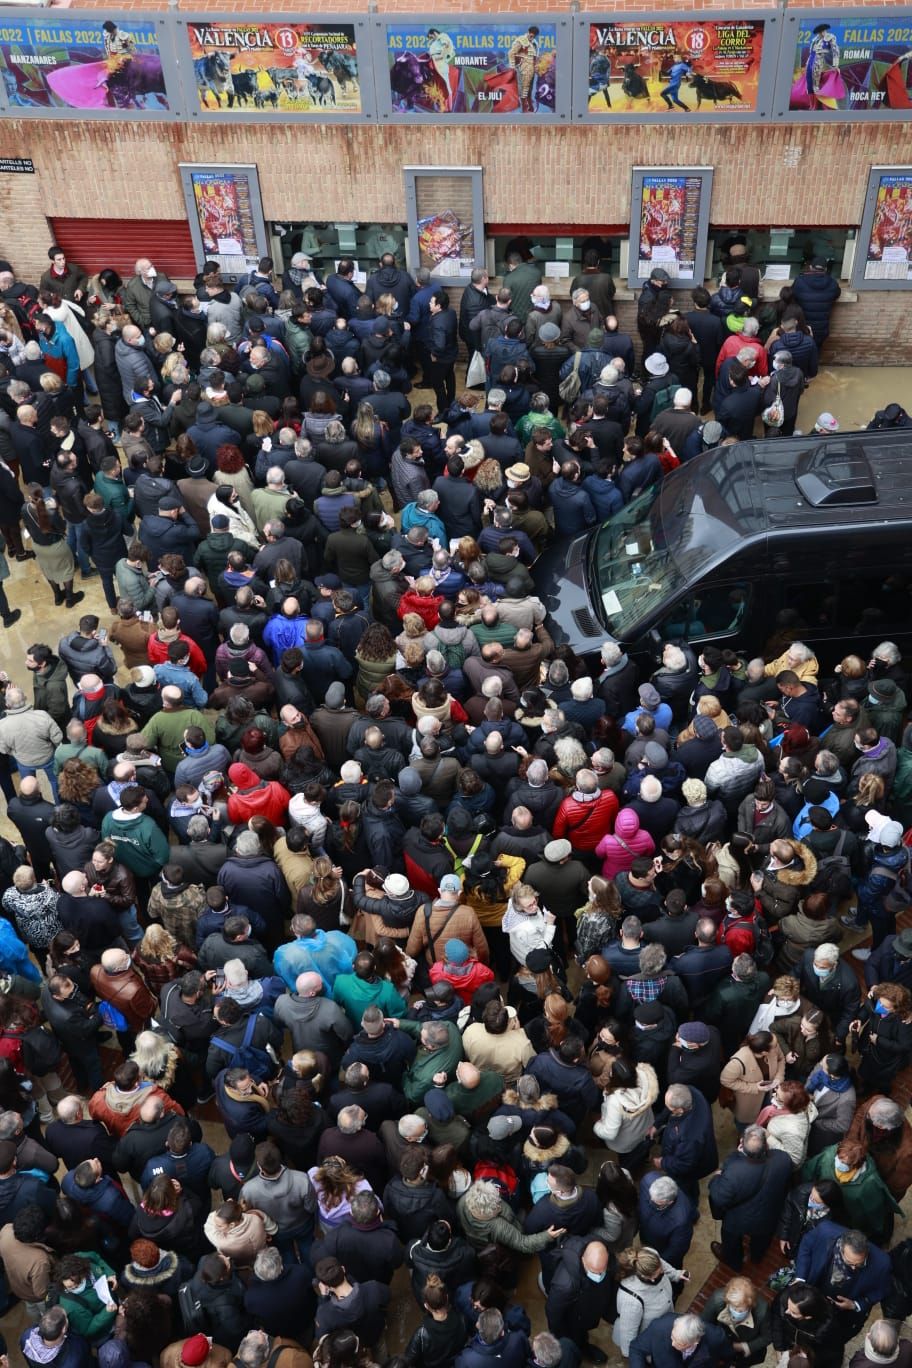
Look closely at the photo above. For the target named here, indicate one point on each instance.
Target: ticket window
(782, 248)
(325, 243)
(566, 248)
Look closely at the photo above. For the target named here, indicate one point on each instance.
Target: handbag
(774, 414)
(571, 384)
(476, 374)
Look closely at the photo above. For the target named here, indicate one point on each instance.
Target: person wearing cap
(887, 872)
(891, 961)
(196, 490)
(169, 531)
(460, 968)
(199, 1351)
(650, 701)
(560, 881)
(885, 707)
(816, 291)
(654, 302)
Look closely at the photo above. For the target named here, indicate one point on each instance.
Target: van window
(714, 610)
(876, 604)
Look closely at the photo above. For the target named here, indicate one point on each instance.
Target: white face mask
(151, 273)
(584, 308)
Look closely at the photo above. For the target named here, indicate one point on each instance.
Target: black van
(798, 538)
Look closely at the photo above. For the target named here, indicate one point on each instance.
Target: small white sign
(777, 272)
(557, 270)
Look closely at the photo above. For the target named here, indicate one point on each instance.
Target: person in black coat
(618, 683)
(103, 538)
(666, 1344)
(689, 1149)
(710, 332)
(581, 1295)
(740, 408)
(365, 1243)
(698, 754)
(280, 1300)
(816, 291)
(220, 1293)
(653, 1037)
(837, 993)
(74, 1138)
(11, 501)
(460, 502)
(411, 1200)
(798, 1216)
(695, 1058)
(107, 376)
(443, 346)
(667, 1218)
(747, 1197)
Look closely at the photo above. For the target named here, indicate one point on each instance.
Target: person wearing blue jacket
(843, 1264)
(802, 348)
(92, 1189)
(747, 1196)
(816, 291)
(326, 953)
(689, 1149)
(675, 1341)
(56, 345)
(667, 1217)
(573, 508)
(14, 955)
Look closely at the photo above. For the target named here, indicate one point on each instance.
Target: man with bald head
(315, 1022)
(164, 732)
(580, 1295)
(285, 631)
(145, 1137)
(137, 294)
(521, 835)
(134, 363)
(475, 1092)
(74, 1136)
(91, 918)
(117, 982)
(32, 814)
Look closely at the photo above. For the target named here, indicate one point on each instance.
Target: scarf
(872, 1354)
(820, 1081)
(581, 797)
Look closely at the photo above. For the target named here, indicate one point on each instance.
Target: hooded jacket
(816, 292)
(618, 851)
(254, 796)
(733, 776)
(30, 735)
(139, 843)
(782, 889)
(86, 655)
(627, 1112)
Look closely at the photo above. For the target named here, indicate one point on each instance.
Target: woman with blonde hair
(160, 1061)
(744, 1315)
(598, 919)
(161, 959)
(335, 1184)
(646, 1291)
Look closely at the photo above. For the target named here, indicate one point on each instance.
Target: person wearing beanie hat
(704, 746)
(650, 701)
(701, 818)
(696, 1055)
(877, 891)
(199, 1351)
(460, 968)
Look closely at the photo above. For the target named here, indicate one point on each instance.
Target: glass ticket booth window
(791, 247)
(568, 248)
(325, 243)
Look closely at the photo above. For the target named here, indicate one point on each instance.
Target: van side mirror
(654, 637)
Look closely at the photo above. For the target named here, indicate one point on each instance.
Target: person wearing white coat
(66, 315)
(646, 1293)
(627, 1107)
(240, 523)
(788, 1120)
(529, 925)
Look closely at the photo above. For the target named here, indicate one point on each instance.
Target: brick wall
(469, 6)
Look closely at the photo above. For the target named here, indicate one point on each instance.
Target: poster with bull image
(275, 68)
(97, 65)
(490, 69)
(674, 69)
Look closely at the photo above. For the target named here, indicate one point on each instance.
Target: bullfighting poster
(669, 222)
(225, 214)
(852, 65)
(93, 65)
(262, 68)
(675, 69)
(491, 69)
(888, 242)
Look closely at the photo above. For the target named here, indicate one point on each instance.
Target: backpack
(257, 1062)
(502, 1176)
(453, 654)
(571, 384)
(662, 400)
(834, 874)
(40, 1051)
(652, 305)
(192, 1312)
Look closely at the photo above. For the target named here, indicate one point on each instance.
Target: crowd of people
(324, 827)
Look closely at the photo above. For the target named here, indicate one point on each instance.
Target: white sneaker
(861, 955)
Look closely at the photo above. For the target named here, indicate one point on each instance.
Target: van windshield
(665, 540)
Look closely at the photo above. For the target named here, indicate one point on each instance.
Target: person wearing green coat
(439, 1051)
(901, 792)
(164, 732)
(869, 1204)
(110, 485)
(885, 707)
(86, 1285)
(486, 1219)
(363, 988)
(733, 1002)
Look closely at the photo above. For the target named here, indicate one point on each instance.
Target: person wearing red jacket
(587, 814)
(252, 796)
(422, 600)
(461, 969)
(740, 929)
(157, 648)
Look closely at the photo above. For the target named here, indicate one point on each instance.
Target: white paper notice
(611, 602)
(557, 270)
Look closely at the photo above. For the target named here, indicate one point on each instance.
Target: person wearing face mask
(833, 1091)
(847, 1269)
(883, 1031)
(579, 320)
(647, 1290)
(751, 1074)
(869, 1204)
(782, 1011)
(790, 868)
(136, 294)
(744, 1316)
(831, 986)
(581, 1295)
(544, 310)
(695, 1057)
(882, 890)
(804, 1208)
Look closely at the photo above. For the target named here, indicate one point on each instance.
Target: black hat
(649, 1014)
(198, 465)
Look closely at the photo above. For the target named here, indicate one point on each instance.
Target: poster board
(68, 64)
(445, 209)
(225, 214)
(669, 223)
(853, 65)
(883, 248)
(470, 69)
(718, 67)
(275, 69)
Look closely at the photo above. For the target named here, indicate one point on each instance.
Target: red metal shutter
(118, 243)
